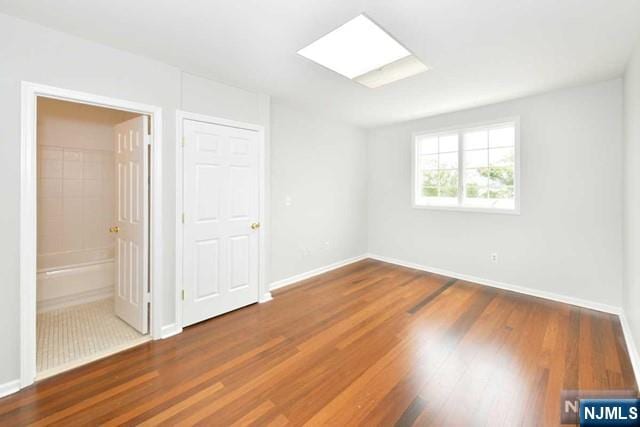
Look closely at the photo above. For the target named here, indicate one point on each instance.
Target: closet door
(131, 228)
(221, 211)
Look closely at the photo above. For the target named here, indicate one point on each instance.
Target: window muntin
(469, 168)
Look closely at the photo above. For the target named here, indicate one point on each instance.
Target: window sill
(515, 211)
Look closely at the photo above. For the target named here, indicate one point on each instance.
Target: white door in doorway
(131, 228)
(221, 212)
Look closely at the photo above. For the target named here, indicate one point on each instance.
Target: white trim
(506, 286)
(91, 358)
(265, 194)
(459, 130)
(9, 388)
(315, 272)
(632, 348)
(181, 115)
(170, 330)
(74, 299)
(28, 205)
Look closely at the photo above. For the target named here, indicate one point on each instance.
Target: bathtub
(65, 279)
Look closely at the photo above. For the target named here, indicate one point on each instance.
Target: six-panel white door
(221, 203)
(131, 163)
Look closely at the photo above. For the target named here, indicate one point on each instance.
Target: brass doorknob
(255, 225)
(114, 229)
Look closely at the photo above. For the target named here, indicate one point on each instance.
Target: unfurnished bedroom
(340, 213)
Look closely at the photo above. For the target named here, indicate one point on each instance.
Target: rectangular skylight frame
(357, 48)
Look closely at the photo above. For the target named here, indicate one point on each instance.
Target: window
(472, 168)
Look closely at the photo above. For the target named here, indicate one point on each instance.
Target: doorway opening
(92, 233)
(135, 258)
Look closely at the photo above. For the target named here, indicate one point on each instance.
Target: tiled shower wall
(75, 182)
(75, 199)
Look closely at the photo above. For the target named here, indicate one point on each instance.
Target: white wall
(568, 238)
(631, 291)
(321, 166)
(34, 53)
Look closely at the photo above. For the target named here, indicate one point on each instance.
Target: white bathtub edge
(75, 299)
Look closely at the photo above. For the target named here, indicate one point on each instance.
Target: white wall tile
(72, 155)
(78, 209)
(50, 187)
(91, 170)
(50, 207)
(50, 153)
(72, 188)
(91, 188)
(72, 169)
(51, 168)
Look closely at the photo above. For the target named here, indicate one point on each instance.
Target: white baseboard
(9, 388)
(75, 299)
(316, 271)
(266, 297)
(506, 286)
(170, 330)
(634, 354)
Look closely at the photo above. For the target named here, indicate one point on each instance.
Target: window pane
(475, 183)
(431, 178)
(503, 203)
(505, 192)
(448, 179)
(473, 191)
(449, 143)
(499, 176)
(475, 140)
(439, 169)
(428, 145)
(430, 191)
(476, 176)
(502, 137)
(448, 161)
(476, 158)
(501, 156)
(449, 192)
(429, 162)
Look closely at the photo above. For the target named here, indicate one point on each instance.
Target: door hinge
(149, 127)
(147, 297)
(183, 295)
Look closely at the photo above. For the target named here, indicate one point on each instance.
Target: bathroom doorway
(91, 292)
(90, 167)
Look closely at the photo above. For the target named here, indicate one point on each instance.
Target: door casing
(263, 291)
(28, 211)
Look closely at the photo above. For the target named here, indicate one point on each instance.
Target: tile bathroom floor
(72, 336)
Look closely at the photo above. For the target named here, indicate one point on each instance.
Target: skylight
(358, 48)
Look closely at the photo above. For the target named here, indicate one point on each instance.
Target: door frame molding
(263, 290)
(28, 210)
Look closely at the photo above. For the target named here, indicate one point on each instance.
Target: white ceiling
(481, 51)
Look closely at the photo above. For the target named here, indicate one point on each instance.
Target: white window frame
(460, 130)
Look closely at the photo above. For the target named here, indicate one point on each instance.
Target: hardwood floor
(368, 344)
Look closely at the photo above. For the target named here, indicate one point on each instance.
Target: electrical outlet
(494, 257)
(288, 201)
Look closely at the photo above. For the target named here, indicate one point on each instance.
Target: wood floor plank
(367, 344)
(95, 399)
